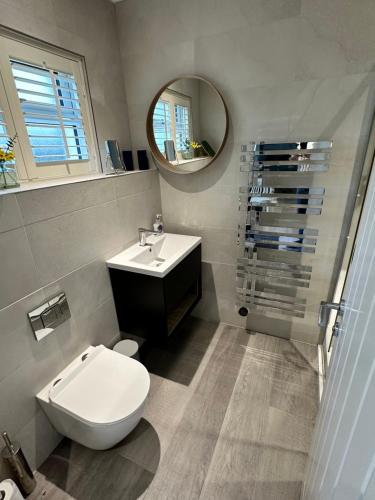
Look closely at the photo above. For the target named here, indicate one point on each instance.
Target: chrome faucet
(143, 233)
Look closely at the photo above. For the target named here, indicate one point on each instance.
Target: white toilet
(98, 399)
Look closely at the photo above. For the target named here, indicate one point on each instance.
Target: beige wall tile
(59, 237)
(10, 215)
(17, 341)
(19, 388)
(38, 438)
(65, 243)
(46, 203)
(17, 267)
(134, 183)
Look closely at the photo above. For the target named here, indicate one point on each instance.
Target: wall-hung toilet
(98, 399)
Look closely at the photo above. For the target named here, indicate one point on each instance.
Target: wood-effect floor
(229, 417)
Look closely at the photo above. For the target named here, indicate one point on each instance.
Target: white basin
(161, 254)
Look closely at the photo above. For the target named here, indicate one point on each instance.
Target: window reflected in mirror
(187, 125)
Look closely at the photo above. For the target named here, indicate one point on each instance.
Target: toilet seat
(104, 389)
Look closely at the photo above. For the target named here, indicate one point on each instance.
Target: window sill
(190, 160)
(33, 185)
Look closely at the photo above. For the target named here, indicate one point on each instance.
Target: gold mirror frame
(163, 162)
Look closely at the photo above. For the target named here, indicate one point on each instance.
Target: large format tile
(86, 288)
(261, 451)
(220, 279)
(17, 267)
(136, 211)
(98, 326)
(180, 358)
(218, 244)
(73, 471)
(185, 464)
(38, 438)
(46, 203)
(134, 183)
(17, 341)
(215, 308)
(10, 214)
(65, 243)
(18, 388)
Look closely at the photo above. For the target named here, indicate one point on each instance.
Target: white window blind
(51, 109)
(162, 123)
(3, 130)
(182, 125)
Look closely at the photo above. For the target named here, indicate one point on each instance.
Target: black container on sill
(127, 157)
(143, 163)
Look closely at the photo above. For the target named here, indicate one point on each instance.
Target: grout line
(113, 198)
(36, 270)
(207, 356)
(51, 283)
(224, 421)
(66, 214)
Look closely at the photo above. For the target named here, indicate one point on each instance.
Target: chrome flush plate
(49, 315)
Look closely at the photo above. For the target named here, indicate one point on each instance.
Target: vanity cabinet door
(139, 301)
(185, 276)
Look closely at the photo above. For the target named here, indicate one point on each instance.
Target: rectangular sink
(161, 254)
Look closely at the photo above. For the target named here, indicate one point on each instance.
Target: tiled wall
(288, 69)
(56, 239)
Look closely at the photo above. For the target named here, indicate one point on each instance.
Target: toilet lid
(105, 388)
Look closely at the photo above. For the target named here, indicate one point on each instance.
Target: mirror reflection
(187, 125)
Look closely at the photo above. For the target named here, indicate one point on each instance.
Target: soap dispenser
(158, 224)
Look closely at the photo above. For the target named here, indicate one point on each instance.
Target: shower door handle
(326, 308)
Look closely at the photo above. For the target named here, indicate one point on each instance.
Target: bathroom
(253, 362)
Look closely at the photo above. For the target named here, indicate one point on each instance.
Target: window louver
(182, 126)
(162, 124)
(51, 110)
(3, 131)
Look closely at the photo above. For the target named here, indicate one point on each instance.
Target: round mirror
(187, 125)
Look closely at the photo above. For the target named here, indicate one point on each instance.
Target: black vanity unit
(152, 307)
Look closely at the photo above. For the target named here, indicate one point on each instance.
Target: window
(182, 125)
(173, 120)
(49, 110)
(162, 123)
(6, 125)
(3, 130)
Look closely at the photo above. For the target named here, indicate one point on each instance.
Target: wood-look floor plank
(261, 451)
(183, 470)
(85, 474)
(48, 490)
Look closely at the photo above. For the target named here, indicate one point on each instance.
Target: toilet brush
(24, 476)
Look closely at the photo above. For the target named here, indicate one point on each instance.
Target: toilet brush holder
(13, 455)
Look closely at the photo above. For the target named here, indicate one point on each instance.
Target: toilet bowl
(98, 399)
